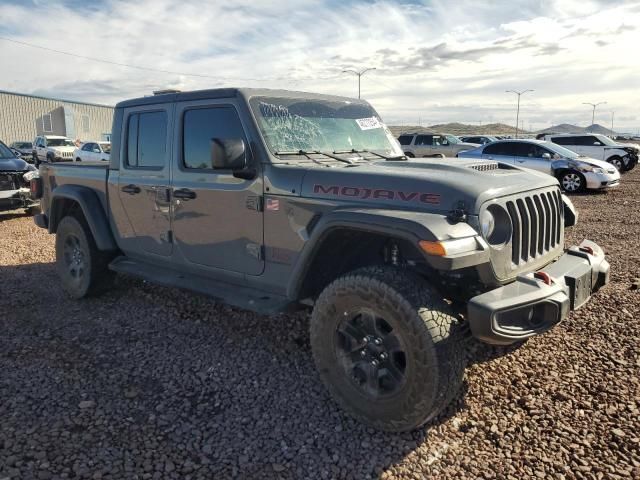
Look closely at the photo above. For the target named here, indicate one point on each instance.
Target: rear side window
(147, 140)
(202, 125)
(405, 139)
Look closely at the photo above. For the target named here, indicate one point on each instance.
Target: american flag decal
(273, 204)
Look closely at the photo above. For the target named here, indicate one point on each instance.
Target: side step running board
(237, 296)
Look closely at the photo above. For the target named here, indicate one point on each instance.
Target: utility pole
(593, 113)
(518, 107)
(612, 114)
(359, 73)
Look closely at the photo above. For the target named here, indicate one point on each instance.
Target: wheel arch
(70, 199)
(347, 239)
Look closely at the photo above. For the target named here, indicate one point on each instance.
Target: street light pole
(612, 114)
(359, 73)
(518, 107)
(593, 113)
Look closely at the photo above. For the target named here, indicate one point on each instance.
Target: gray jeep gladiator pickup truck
(274, 200)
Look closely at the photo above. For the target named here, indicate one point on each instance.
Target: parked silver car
(432, 145)
(574, 172)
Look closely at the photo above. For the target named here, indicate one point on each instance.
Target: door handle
(131, 189)
(184, 194)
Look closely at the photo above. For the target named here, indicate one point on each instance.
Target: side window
(147, 140)
(593, 141)
(564, 140)
(501, 148)
(86, 147)
(405, 139)
(424, 140)
(200, 126)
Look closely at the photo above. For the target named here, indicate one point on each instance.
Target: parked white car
(93, 151)
(432, 145)
(574, 172)
(52, 148)
(624, 156)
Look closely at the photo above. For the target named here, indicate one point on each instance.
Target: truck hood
(13, 165)
(422, 184)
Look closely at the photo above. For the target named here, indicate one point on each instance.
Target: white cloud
(442, 61)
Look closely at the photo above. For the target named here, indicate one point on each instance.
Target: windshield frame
(253, 102)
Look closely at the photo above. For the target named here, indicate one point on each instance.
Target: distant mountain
(456, 128)
(568, 128)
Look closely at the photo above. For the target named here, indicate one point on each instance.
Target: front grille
(66, 154)
(537, 225)
(8, 182)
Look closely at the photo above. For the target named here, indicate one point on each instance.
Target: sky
(435, 61)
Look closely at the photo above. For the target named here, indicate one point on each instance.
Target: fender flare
(92, 210)
(406, 225)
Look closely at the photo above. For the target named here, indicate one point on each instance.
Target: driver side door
(533, 156)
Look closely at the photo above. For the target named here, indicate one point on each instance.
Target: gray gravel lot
(149, 382)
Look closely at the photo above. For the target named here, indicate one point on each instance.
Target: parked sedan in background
(432, 145)
(93, 151)
(479, 139)
(574, 172)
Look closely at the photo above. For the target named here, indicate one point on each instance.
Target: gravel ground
(149, 382)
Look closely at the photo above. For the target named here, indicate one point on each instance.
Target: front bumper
(13, 199)
(597, 181)
(529, 305)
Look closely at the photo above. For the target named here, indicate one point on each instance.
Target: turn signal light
(433, 248)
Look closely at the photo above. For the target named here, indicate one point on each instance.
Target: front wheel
(388, 347)
(618, 163)
(572, 181)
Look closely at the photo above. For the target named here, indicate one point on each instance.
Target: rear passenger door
(144, 181)
(423, 145)
(217, 217)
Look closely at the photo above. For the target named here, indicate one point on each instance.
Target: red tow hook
(544, 277)
(588, 250)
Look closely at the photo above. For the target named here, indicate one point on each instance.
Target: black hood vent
(485, 166)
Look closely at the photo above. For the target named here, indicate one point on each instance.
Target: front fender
(406, 225)
(92, 209)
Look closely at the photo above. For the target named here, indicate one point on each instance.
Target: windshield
(59, 142)
(452, 140)
(5, 152)
(293, 124)
(565, 152)
(606, 140)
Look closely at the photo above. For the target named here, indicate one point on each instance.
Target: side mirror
(228, 154)
(546, 156)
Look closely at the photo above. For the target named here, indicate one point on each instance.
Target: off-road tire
(617, 162)
(95, 276)
(565, 175)
(432, 335)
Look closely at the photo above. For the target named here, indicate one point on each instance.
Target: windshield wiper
(313, 152)
(386, 157)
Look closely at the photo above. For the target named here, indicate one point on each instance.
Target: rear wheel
(387, 347)
(81, 266)
(572, 181)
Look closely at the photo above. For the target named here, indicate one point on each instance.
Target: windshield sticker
(368, 123)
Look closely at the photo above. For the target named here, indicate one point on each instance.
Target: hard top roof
(216, 93)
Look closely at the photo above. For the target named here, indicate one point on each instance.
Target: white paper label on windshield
(368, 123)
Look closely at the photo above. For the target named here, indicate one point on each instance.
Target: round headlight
(496, 225)
(487, 224)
